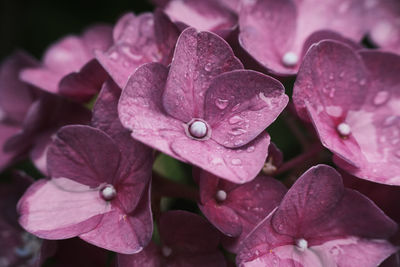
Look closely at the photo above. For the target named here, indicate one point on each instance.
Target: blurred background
(33, 25)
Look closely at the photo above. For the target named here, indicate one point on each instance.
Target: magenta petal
(138, 40)
(122, 232)
(76, 154)
(47, 210)
(248, 203)
(197, 235)
(149, 257)
(239, 105)
(41, 78)
(205, 15)
(98, 37)
(140, 108)
(258, 21)
(335, 68)
(15, 95)
(331, 212)
(84, 84)
(236, 165)
(199, 57)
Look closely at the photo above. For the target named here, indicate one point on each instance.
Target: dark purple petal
(83, 154)
(199, 57)
(239, 105)
(122, 232)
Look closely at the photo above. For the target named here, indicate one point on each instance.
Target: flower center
(302, 244)
(344, 129)
(290, 59)
(220, 195)
(198, 129)
(108, 192)
(166, 251)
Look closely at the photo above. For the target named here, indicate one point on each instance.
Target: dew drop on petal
(108, 192)
(235, 119)
(208, 67)
(198, 129)
(389, 121)
(220, 195)
(381, 98)
(334, 251)
(290, 59)
(344, 129)
(221, 103)
(250, 149)
(114, 55)
(236, 162)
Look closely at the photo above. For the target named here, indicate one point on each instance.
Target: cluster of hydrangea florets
(112, 116)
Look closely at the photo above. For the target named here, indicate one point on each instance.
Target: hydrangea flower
(137, 40)
(236, 209)
(385, 29)
(93, 193)
(353, 100)
(277, 33)
(320, 223)
(204, 109)
(16, 98)
(194, 243)
(69, 67)
(207, 15)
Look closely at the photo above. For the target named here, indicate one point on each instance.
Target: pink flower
(138, 40)
(236, 209)
(69, 67)
(353, 100)
(187, 240)
(320, 223)
(95, 192)
(204, 109)
(278, 33)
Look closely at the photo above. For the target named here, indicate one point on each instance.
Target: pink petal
(98, 37)
(199, 57)
(76, 154)
(83, 85)
(42, 78)
(15, 96)
(239, 105)
(328, 70)
(206, 15)
(140, 109)
(59, 209)
(258, 21)
(138, 41)
(238, 165)
(149, 256)
(122, 232)
(195, 236)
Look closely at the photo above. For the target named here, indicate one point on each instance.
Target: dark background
(33, 25)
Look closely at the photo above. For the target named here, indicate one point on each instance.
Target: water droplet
(344, 129)
(239, 142)
(301, 243)
(250, 149)
(236, 162)
(126, 64)
(381, 98)
(389, 121)
(235, 119)
(363, 82)
(334, 251)
(217, 161)
(237, 131)
(236, 107)
(331, 76)
(221, 103)
(114, 55)
(341, 75)
(166, 251)
(208, 67)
